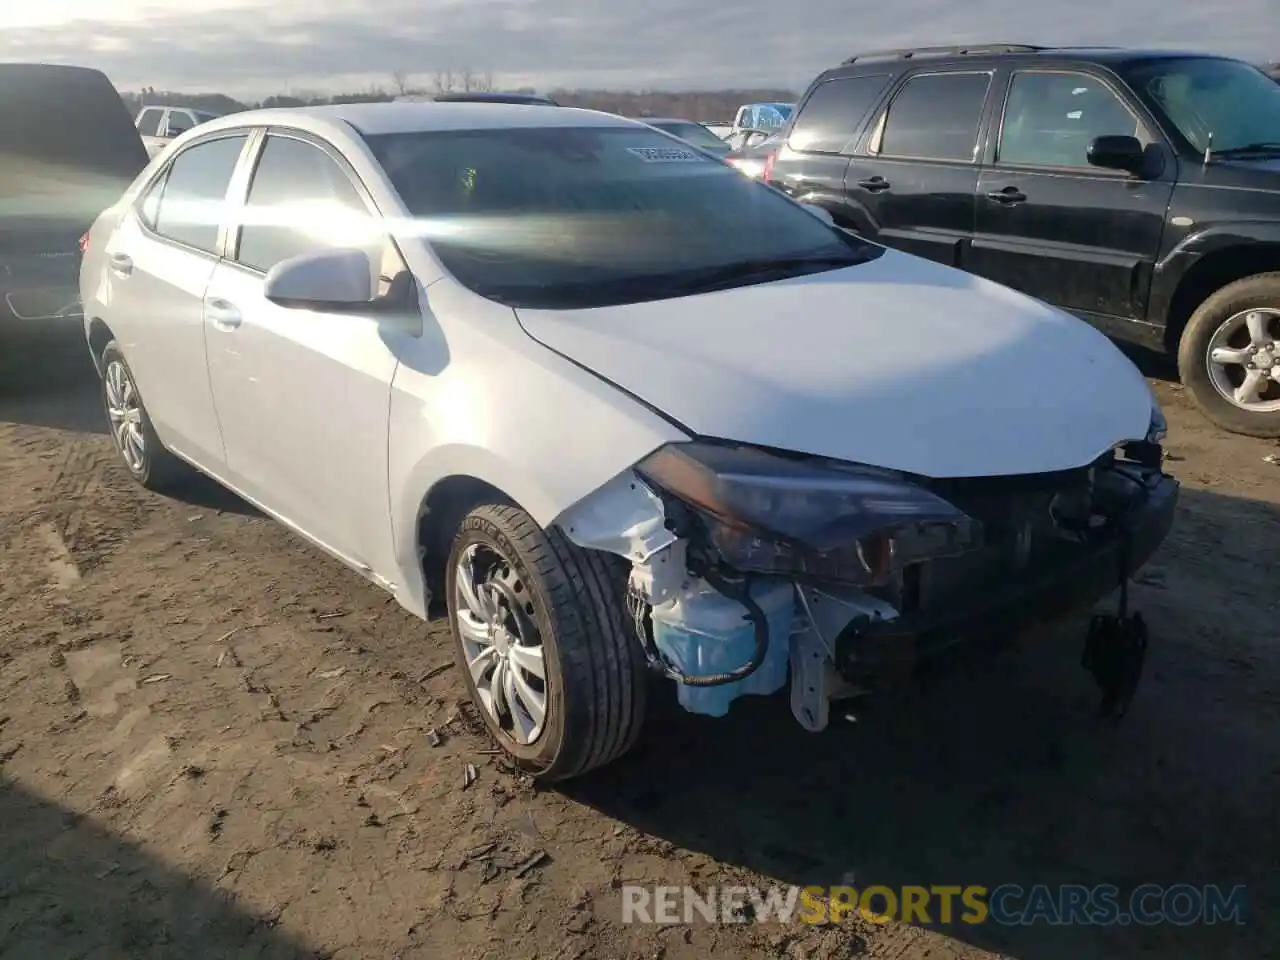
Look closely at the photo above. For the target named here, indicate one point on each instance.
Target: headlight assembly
(771, 514)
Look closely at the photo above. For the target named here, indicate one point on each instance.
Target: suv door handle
(1008, 196)
(222, 314)
(121, 264)
(874, 184)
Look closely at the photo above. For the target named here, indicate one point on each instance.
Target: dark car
(1139, 190)
(68, 149)
(690, 131)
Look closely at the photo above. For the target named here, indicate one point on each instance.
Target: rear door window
(833, 114)
(936, 117)
(193, 203)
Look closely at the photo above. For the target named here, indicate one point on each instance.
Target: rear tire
(135, 439)
(1215, 318)
(562, 609)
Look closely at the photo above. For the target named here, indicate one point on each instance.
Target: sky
(254, 48)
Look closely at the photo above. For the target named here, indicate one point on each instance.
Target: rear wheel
(1229, 356)
(544, 643)
(141, 451)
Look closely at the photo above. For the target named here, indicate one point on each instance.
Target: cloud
(658, 43)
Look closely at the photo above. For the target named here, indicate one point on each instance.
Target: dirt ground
(216, 742)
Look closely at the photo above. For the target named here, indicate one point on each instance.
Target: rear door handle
(1008, 196)
(874, 184)
(121, 264)
(222, 314)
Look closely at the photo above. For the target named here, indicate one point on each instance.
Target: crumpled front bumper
(891, 651)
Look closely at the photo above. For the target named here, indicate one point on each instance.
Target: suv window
(296, 205)
(833, 113)
(1050, 119)
(149, 121)
(195, 192)
(936, 117)
(179, 122)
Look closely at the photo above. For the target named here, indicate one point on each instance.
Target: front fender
(1215, 237)
(507, 411)
(1199, 243)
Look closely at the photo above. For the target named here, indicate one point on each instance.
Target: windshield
(1213, 102)
(562, 217)
(696, 134)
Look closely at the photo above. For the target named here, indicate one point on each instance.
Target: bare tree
(400, 82)
(486, 81)
(467, 79)
(442, 81)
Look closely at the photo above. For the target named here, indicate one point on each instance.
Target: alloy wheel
(1244, 359)
(124, 410)
(501, 643)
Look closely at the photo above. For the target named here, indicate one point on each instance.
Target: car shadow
(1152, 363)
(60, 390)
(70, 888)
(1005, 775)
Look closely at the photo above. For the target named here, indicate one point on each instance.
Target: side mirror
(334, 280)
(822, 213)
(1117, 153)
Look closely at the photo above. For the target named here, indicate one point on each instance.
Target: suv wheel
(544, 643)
(144, 456)
(1229, 356)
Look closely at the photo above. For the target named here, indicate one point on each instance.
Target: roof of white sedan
(401, 117)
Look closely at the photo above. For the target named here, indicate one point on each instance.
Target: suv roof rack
(959, 50)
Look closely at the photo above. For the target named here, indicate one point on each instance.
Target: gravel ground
(215, 741)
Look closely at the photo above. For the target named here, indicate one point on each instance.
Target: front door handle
(874, 184)
(121, 264)
(222, 314)
(1008, 196)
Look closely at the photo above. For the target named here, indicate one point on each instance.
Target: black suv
(1138, 190)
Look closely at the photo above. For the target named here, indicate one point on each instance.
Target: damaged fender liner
(895, 650)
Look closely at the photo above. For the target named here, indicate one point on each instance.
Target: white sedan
(622, 409)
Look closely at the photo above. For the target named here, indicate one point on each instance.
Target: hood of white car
(898, 363)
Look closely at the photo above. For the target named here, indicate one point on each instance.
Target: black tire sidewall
(1193, 369)
(543, 752)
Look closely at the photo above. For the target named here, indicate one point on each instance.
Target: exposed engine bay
(750, 566)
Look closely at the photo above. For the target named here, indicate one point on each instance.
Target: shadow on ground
(68, 888)
(59, 390)
(1004, 775)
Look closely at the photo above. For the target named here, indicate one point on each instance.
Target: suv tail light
(84, 244)
(767, 174)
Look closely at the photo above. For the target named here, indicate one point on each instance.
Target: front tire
(1229, 356)
(135, 439)
(544, 643)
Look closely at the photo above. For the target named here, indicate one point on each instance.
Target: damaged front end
(751, 564)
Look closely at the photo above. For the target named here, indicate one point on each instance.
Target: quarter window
(936, 117)
(193, 201)
(832, 115)
(1051, 118)
(149, 121)
(300, 201)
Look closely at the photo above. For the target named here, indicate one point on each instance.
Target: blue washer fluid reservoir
(704, 632)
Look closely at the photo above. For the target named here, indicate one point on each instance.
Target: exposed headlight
(1159, 428)
(767, 513)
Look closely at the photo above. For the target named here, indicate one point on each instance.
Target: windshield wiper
(714, 278)
(1262, 146)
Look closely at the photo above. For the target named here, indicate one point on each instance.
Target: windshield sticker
(665, 154)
